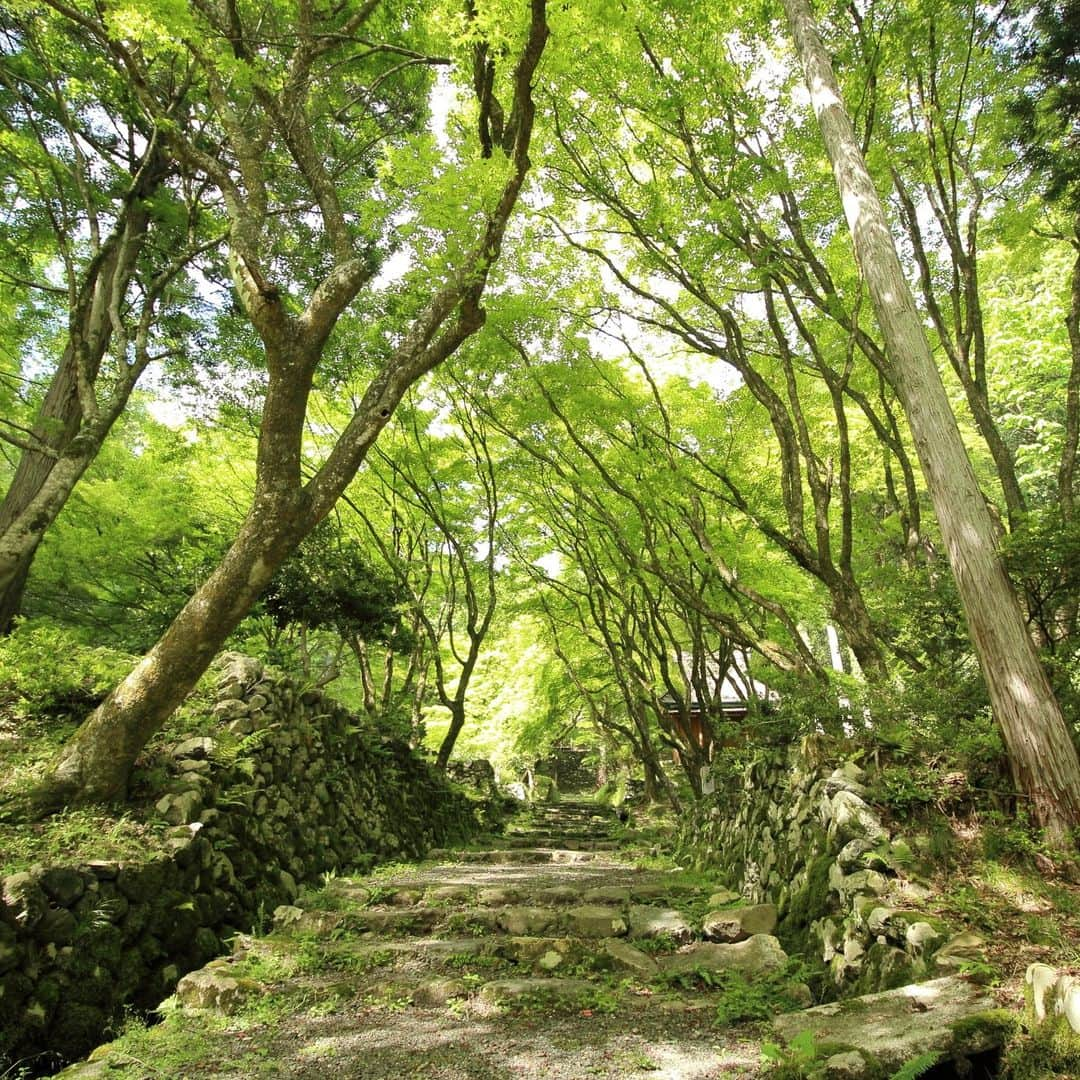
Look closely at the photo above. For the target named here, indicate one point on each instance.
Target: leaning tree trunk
(26, 509)
(1042, 755)
(95, 763)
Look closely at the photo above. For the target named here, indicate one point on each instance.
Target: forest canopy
(598, 372)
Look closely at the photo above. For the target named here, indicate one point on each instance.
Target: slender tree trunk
(28, 509)
(1067, 468)
(457, 722)
(1042, 755)
(367, 681)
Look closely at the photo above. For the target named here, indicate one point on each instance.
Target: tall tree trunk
(1042, 755)
(25, 510)
(1067, 468)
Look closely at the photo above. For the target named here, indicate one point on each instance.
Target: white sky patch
(551, 563)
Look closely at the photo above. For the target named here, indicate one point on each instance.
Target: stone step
(563, 843)
(533, 855)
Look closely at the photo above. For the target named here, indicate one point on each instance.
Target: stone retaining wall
(800, 834)
(288, 787)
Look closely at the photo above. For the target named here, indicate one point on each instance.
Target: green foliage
(790, 1062)
(913, 1069)
(75, 836)
(329, 582)
(46, 674)
(1050, 1051)
(739, 998)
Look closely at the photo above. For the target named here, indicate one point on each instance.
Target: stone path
(544, 954)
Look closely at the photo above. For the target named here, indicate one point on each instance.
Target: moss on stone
(806, 906)
(985, 1030)
(1050, 1051)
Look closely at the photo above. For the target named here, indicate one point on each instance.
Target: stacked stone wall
(799, 833)
(287, 787)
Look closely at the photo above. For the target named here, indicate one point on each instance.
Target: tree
(294, 112)
(92, 191)
(446, 487)
(1042, 755)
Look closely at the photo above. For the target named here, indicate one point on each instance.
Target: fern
(914, 1068)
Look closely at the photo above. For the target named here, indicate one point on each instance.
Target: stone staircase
(543, 953)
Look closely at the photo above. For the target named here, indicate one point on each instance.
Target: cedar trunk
(1041, 752)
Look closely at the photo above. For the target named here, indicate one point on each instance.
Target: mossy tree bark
(1042, 755)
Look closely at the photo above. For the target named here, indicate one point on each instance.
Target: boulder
(628, 958)
(755, 955)
(24, 898)
(521, 921)
(595, 921)
(198, 748)
(737, 924)
(891, 1028)
(653, 922)
(213, 989)
(438, 992)
(63, 884)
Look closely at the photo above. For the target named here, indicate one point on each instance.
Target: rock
(895, 1026)
(63, 884)
(851, 854)
(558, 894)
(607, 894)
(849, 1066)
(505, 991)
(237, 673)
(849, 777)
(521, 921)
(595, 921)
(198, 748)
(737, 924)
(24, 898)
(627, 957)
(919, 935)
(550, 960)
(960, 950)
(531, 951)
(286, 915)
(723, 897)
(849, 817)
(288, 885)
(10, 953)
(757, 954)
(497, 897)
(438, 992)
(181, 808)
(653, 922)
(211, 988)
(57, 926)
